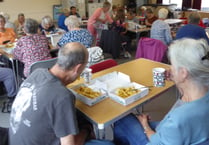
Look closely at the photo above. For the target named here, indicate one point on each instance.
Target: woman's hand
(168, 75)
(143, 118)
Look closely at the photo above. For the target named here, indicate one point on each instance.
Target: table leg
(99, 131)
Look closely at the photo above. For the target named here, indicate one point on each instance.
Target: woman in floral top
(31, 48)
(75, 34)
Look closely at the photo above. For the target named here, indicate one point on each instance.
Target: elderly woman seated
(187, 122)
(19, 25)
(6, 34)
(75, 33)
(47, 26)
(160, 30)
(150, 17)
(32, 47)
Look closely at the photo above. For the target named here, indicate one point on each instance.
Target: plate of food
(126, 92)
(129, 93)
(9, 45)
(87, 92)
(2, 46)
(89, 95)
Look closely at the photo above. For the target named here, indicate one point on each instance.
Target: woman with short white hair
(75, 33)
(163, 13)
(47, 25)
(187, 121)
(160, 30)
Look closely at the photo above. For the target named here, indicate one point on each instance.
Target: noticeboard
(57, 11)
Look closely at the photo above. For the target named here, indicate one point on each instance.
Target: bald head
(71, 55)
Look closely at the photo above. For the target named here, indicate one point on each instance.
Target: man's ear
(77, 68)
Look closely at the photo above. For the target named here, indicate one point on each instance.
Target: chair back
(4, 136)
(110, 42)
(54, 39)
(204, 143)
(108, 63)
(43, 64)
(152, 49)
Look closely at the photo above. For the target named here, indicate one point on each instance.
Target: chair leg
(7, 105)
(124, 46)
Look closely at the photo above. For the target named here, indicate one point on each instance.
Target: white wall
(35, 9)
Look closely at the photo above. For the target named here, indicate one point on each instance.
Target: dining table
(8, 48)
(108, 111)
(138, 30)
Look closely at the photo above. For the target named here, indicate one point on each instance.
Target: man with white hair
(160, 30)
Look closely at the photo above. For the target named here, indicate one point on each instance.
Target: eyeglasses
(205, 57)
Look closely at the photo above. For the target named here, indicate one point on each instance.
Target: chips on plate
(127, 91)
(87, 92)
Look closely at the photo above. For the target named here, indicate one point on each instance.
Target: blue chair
(205, 142)
(4, 136)
(43, 64)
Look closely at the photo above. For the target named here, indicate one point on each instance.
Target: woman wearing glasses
(187, 122)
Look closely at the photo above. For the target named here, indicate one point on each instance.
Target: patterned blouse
(30, 49)
(82, 35)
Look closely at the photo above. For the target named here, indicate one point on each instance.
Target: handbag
(100, 26)
(95, 55)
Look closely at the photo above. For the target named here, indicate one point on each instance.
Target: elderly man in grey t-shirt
(43, 112)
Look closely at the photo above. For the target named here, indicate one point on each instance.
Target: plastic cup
(158, 77)
(87, 75)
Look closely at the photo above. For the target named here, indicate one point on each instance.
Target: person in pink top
(100, 16)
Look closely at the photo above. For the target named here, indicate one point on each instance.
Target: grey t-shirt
(42, 112)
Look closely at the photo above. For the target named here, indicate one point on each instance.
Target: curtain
(159, 1)
(186, 4)
(197, 4)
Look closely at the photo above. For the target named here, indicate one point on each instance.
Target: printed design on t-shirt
(22, 102)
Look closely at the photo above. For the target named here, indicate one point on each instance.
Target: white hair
(72, 21)
(163, 13)
(6, 16)
(189, 53)
(144, 8)
(47, 20)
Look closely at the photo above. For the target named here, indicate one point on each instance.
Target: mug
(158, 77)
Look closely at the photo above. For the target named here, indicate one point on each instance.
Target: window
(178, 2)
(205, 5)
